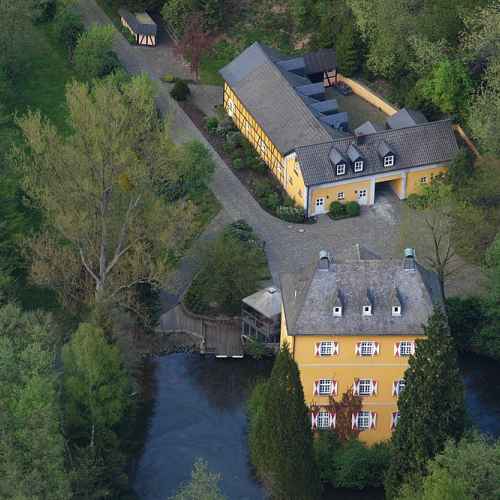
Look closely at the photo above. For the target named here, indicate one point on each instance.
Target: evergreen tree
(281, 434)
(431, 406)
(346, 49)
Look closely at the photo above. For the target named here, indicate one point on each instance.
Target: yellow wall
(413, 184)
(294, 182)
(345, 367)
(330, 193)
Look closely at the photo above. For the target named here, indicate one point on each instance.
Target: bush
(291, 214)
(466, 318)
(228, 148)
(211, 123)
(68, 28)
(258, 166)
(226, 125)
(337, 209)
(256, 349)
(180, 91)
(238, 164)
(128, 35)
(240, 230)
(43, 10)
(350, 465)
(168, 78)
(352, 208)
(235, 138)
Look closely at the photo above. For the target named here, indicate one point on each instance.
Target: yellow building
(353, 325)
(279, 105)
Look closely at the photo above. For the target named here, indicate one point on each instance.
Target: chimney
(324, 260)
(409, 262)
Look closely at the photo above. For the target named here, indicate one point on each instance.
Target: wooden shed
(141, 26)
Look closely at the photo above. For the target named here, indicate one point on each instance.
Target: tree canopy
(432, 406)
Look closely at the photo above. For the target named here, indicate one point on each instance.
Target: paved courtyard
(288, 246)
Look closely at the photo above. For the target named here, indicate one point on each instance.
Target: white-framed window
(423, 180)
(325, 387)
(401, 385)
(337, 311)
(323, 420)
(367, 348)
(405, 348)
(396, 310)
(364, 420)
(340, 195)
(389, 161)
(394, 420)
(320, 202)
(362, 194)
(326, 348)
(358, 166)
(230, 107)
(365, 387)
(340, 168)
(367, 310)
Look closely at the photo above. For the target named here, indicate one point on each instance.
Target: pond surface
(482, 392)
(199, 411)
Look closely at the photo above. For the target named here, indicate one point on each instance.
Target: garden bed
(254, 174)
(339, 211)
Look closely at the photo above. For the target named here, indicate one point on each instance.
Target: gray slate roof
(406, 118)
(368, 128)
(266, 301)
(309, 295)
(320, 61)
(267, 92)
(138, 27)
(425, 144)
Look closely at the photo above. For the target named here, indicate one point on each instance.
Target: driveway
(288, 246)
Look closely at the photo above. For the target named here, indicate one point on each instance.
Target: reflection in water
(197, 409)
(199, 412)
(482, 392)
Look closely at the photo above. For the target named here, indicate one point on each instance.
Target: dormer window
(337, 311)
(396, 310)
(358, 166)
(340, 168)
(389, 161)
(367, 310)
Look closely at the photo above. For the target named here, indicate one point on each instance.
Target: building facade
(279, 105)
(353, 325)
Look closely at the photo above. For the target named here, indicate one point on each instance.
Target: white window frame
(341, 169)
(364, 417)
(326, 348)
(389, 161)
(367, 344)
(325, 387)
(396, 310)
(323, 420)
(340, 195)
(358, 166)
(318, 204)
(367, 387)
(231, 108)
(337, 311)
(367, 310)
(408, 348)
(401, 386)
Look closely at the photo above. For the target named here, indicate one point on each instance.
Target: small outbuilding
(261, 316)
(141, 26)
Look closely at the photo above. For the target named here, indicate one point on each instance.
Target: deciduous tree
(107, 229)
(432, 407)
(204, 485)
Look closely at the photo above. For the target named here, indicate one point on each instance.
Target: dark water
(199, 411)
(482, 392)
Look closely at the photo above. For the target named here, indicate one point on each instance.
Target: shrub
(168, 78)
(180, 91)
(238, 164)
(211, 123)
(228, 148)
(128, 35)
(256, 349)
(240, 230)
(352, 208)
(337, 209)
(291, 214)
(271, 201)
(258, 166)
(68, 28)
(43, 10)
(234, 137)
(226, 125)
